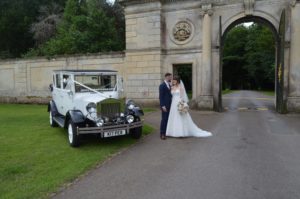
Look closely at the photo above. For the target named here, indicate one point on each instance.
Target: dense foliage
(249, 58)
(85, 28)
(55, 27)
(16, 18)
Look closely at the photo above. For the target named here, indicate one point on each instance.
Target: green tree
(116, 11)
(15, 21)
(260, 56)
(48, 20)
(234, 75)
(249, 58)
(85, 28)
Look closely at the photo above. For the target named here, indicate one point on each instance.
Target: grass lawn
(190, 94)
(269, 93)
(36, 159)
(150, 109)
(227, 91)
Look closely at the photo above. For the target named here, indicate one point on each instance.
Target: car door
(66, 93)
(56, 94)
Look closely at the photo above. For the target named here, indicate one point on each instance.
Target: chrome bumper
(101, 130)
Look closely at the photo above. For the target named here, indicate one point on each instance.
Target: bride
(180, 124)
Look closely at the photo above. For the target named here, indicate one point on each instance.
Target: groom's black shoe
(163, 137)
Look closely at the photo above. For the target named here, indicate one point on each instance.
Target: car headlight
(91, 107)
(129, 118)
(131, 106)
(99, 122)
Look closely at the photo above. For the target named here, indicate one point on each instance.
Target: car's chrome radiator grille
(109, 108)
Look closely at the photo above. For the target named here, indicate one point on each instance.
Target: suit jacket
(165, 96)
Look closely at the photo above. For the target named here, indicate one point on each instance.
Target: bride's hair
(177, 78)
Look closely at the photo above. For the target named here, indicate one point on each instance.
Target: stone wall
(160, 34)
(27, 80)
(143, 52)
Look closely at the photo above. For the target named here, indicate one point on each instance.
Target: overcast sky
(248, 24)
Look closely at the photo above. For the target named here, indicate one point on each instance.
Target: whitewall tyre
(74, 139)
(52, 122)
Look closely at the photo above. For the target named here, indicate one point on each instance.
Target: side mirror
(51, 87)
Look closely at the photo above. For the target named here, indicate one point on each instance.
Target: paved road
(254, 154)
(248, 100)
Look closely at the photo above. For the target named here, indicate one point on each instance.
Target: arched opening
(238, 81)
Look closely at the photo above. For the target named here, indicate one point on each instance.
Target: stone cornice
(201, 2)
(133, 2)
(294, 2)
(249, 6)
(206, 9)
(213, 2)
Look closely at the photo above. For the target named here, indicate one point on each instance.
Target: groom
(165, 99)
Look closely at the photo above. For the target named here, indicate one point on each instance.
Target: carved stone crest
(182, 31)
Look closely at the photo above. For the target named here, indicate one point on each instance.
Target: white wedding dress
(181, 124)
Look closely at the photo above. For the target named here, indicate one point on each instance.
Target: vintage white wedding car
(90, 102)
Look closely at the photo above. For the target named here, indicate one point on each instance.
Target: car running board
(60, 120)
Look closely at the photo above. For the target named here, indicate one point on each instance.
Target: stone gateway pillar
(161, 34)
(205, 99)
(142, 69)
(294, 90)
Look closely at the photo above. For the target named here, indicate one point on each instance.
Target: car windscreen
(96, 82)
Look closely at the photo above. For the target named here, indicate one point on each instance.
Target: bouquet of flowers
(183, 107)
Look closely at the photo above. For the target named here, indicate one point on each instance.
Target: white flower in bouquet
(183, 107)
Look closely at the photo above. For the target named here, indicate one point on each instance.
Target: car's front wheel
(52, 122)
(136, 133)
(74, 138)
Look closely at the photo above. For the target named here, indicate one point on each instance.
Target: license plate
(114, 133)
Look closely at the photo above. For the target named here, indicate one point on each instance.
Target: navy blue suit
(165, 99)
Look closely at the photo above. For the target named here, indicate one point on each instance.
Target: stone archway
(163, 33)
(280, 103)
